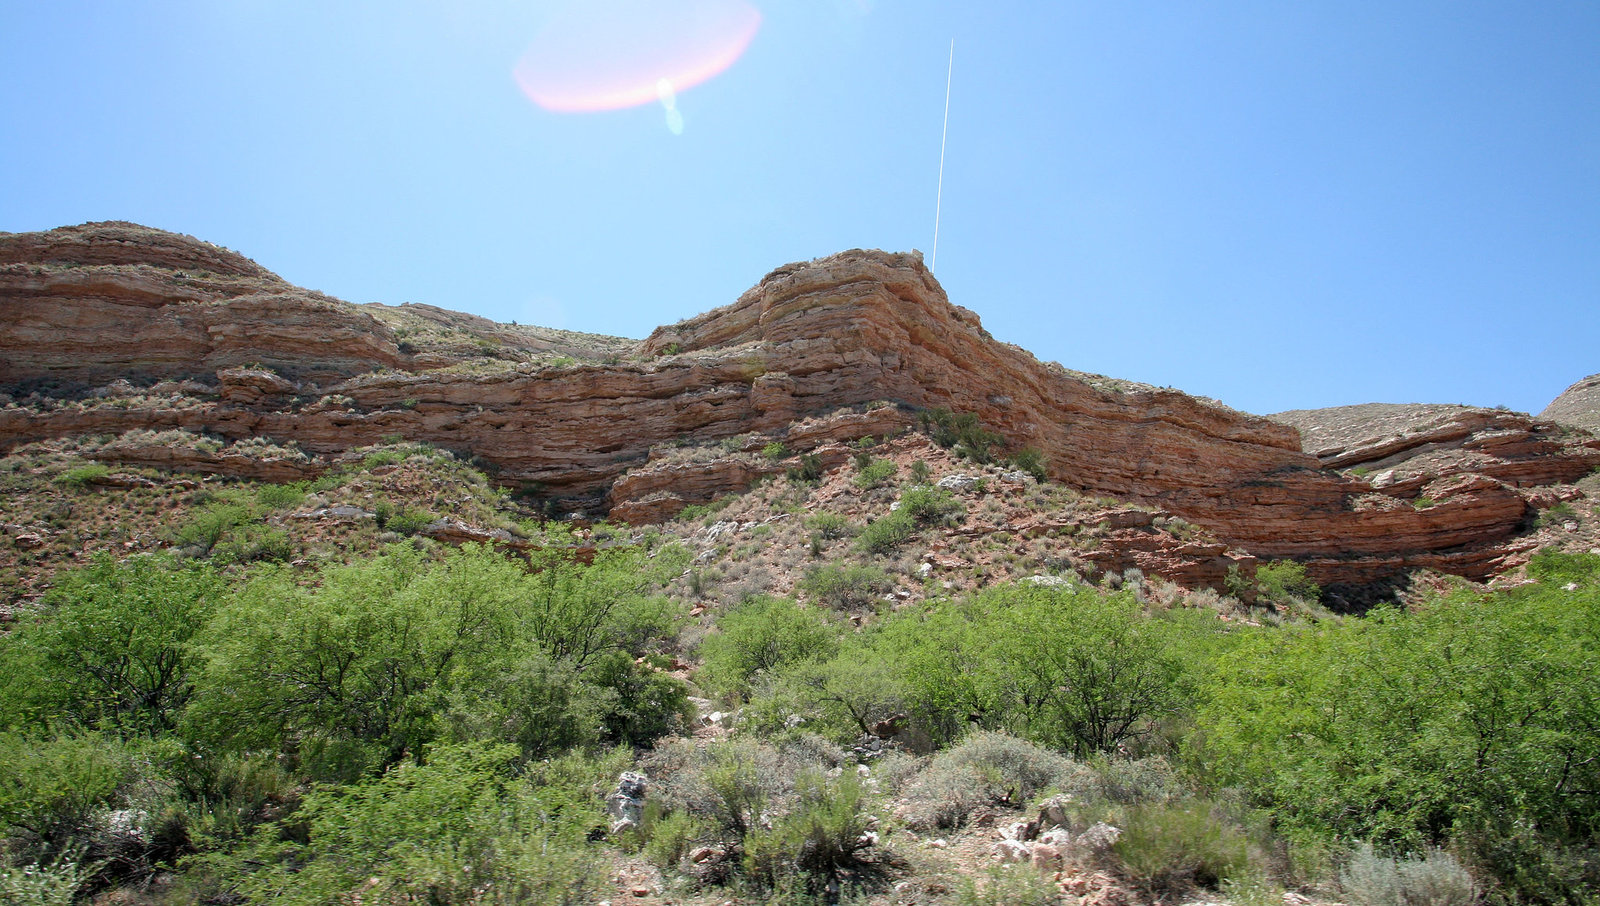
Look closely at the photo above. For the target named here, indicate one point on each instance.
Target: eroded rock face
(108, 300)
(1578, 406)
(102, 302)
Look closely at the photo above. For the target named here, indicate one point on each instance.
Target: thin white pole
(939, 198)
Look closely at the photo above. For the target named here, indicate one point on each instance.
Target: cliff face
(103, 302)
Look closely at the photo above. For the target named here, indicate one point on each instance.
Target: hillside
(821, 597)
(1577, 406)
(227, 353)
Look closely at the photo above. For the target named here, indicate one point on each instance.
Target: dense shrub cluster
(156, 710)
(438, 726)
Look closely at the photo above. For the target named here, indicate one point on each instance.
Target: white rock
(1012, 851)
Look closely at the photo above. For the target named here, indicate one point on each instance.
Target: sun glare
(611, 54)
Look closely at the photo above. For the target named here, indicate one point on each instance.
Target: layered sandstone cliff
(179, 320)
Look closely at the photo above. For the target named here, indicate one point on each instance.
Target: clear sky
(1278, 204)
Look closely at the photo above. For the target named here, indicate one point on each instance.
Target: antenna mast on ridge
(939, 198)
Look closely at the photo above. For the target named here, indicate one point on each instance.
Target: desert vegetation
(912, 676)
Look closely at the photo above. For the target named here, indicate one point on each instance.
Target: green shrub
(1007, 885)
(254, 543)
(917, 507)
(114, 642)
(211, 524)
(356, 668)
(929, 506)
(643, 704)
(55, 884)
(886, 534)
(1165, 848)
(823, 835)
(763, 635)
(809, 469)
(80, 476)
(920, 473)
(1283, 581)
(847, 586)
(226, 796)
(832, 526)
(408, 521)
(463, 828)
(280, 496)
(51, 786)
(1467, 719)
(671, 837)
(541, 706)
(380, 458)
(775, 450)
(1032, 461)
(875, 473)
(1101, 675)
(962, 432)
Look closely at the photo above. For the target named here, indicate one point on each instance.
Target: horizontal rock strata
(106, 302)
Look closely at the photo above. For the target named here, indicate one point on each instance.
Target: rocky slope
(1577, 406)
(110, 328)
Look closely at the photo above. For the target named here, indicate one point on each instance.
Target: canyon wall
(207, 341)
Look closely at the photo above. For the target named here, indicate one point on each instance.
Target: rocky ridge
(108, 329)
(1578, 406)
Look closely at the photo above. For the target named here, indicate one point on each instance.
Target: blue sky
(1278, 204)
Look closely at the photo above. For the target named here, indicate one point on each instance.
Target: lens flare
(611, 54)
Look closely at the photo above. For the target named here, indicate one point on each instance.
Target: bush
(929, 506)
(1008, 885)
(847, 586)
(822, 836)
(211, 524)
(1285, 581)
(809, 470)
(875, 473)
(1468, 719)
(775, 450)
(984, 769)
(1014, 770)
(403, 521)
(50, 787)
(114, 641)
(1434, 878)
(761, 636)
(1101, 675)
(832, 526)
(42, 885)
(920, 473)
(79, 476)
(280, 496)
(360, 667)
(670, 838)
(1165, 848)
(254, 543)
(960, 431)
(885, 535)
(1032, 461)
(463, 828)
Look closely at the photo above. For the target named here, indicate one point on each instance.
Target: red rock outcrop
(810, 338)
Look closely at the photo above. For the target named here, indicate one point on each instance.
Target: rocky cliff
(112, 328)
